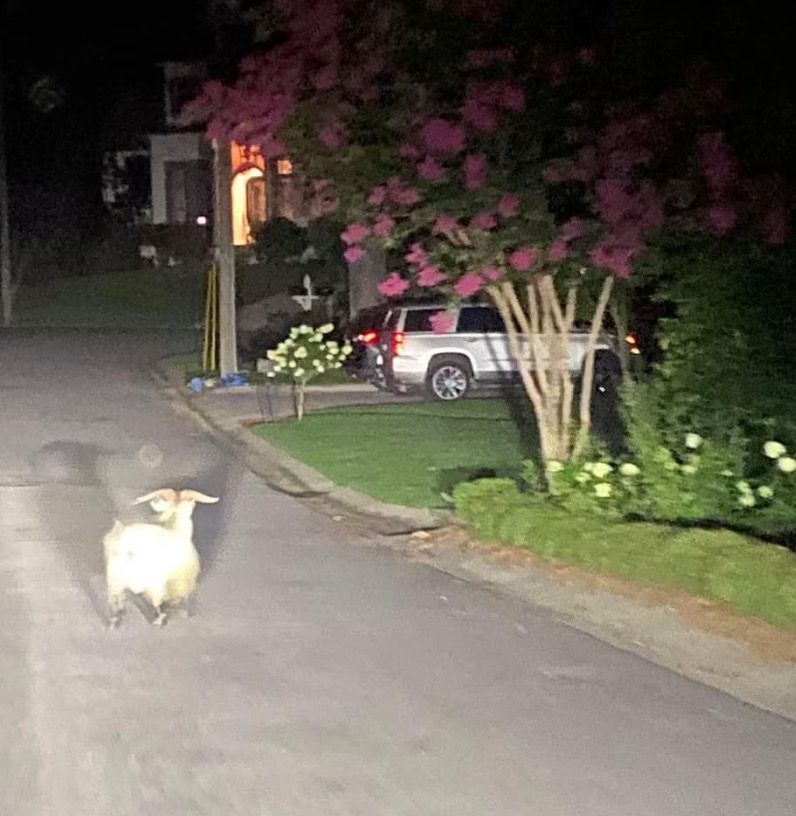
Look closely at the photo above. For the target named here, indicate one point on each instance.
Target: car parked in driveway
(473, 352)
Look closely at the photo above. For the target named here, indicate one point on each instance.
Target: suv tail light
(632, 342)
(368, 337)
(397, 345)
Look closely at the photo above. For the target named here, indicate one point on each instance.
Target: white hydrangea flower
(629, 469)
(773, 449)
(301, 353)
(326, 328)
(582, 477)
(554, 466)
(291, 364)
(743, 486)
(689, 470)
(693, 441)
(728, 473)
(787, 464)
(601, 469)
(316, 338)
(294, 333)
(765, 492)
(603, 490)
(588, 467)
(305, 329)
(347, 349)
(747, 500)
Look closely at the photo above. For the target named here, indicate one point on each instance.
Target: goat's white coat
(158, 561)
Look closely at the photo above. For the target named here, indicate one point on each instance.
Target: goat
(155, 560)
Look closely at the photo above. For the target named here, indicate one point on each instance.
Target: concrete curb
(288, 475)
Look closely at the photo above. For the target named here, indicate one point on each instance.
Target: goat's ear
(165, 494)
(196, 496)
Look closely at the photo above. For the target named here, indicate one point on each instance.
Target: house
(179, 188)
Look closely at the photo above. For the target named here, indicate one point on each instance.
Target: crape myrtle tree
(488, 168)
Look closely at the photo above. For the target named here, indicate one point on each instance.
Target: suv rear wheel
(449, 378)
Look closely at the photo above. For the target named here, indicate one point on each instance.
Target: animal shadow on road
(78, 506)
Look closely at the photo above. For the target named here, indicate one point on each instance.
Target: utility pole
(221, 14)
(224, 252)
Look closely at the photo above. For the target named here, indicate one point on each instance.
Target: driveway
(323, 674)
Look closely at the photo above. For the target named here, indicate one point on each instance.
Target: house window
(189, 186)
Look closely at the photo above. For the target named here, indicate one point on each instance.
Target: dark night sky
(102, 53)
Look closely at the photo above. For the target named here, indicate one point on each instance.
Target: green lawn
(410, 453)
(413, 453)
(145, 298)
(751, 576)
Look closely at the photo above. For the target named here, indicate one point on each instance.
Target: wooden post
(225, 258)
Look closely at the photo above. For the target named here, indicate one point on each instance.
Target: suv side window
(480, 320)
(418, 320)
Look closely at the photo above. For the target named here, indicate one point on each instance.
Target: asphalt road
(323, 674)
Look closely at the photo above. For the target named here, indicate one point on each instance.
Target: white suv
(475, 351)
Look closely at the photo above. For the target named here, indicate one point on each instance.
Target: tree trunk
(584, 424)
(539, 338)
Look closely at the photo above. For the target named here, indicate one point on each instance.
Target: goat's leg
(115, 608)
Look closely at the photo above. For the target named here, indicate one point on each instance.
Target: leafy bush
(752, 577)
(305, 354)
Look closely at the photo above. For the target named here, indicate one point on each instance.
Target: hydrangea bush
(691, 483)
(303, 355)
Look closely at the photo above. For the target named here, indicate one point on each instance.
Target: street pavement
(323, 673)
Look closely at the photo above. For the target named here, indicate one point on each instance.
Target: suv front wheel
(449, 378)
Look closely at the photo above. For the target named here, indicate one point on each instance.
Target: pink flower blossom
(430, 276)
(617, 259)
(523, 259)
(393, 285)
(354, 254)
(445, 223)
(405, 196)
(442, 322)
(721, 218)
(378, 195)
(572, 229)
(430, 169)
(444, 136)
(383, 226)
(417, 255)
(468, 284)
(355, 234)
(558, 250)
(475, 169)
(484, 221)
(482, 117)
(492, 273)
(509, 205)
